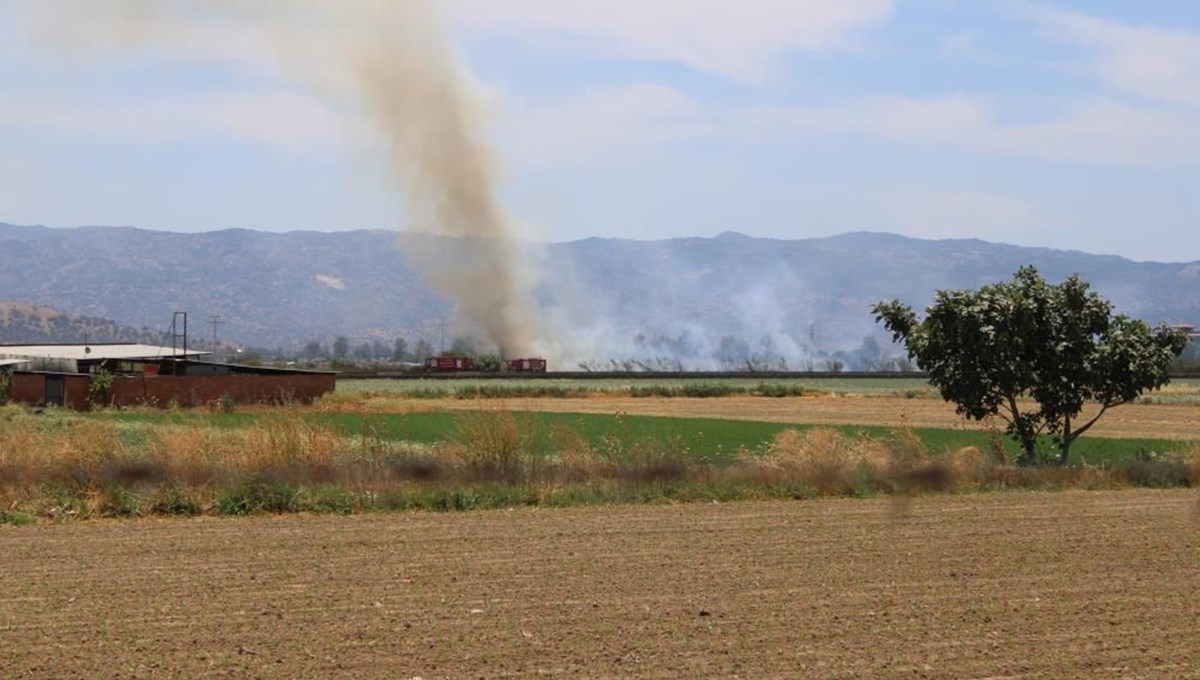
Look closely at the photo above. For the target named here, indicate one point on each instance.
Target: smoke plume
(389, 60)
(425, 106)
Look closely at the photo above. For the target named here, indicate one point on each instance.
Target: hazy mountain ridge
(275, 289)
(22, 323)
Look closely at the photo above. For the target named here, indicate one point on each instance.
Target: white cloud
(604, 122)
(744, 40)
(631, 122)
(1099, 131)
(1145, 61)
(280, 120)
(627, 124)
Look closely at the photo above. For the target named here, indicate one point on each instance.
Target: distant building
(1189, 329)
(1191, 353)
(147, 375)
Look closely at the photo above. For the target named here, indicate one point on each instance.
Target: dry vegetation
(59, 465)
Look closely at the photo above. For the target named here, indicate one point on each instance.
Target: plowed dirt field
(1087, 585)
(1132, 421)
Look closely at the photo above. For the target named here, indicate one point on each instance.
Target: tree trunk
(1024, 432)
(1064, 446)
(1029, 451)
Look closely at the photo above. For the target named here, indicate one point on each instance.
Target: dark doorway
(55, 390)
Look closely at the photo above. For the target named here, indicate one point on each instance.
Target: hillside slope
(25, 323)
(280, 289)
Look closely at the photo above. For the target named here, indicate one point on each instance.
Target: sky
(1053, 123)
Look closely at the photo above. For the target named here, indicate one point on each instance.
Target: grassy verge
(62, 466)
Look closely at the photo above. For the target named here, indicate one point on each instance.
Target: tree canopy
(1034, 354)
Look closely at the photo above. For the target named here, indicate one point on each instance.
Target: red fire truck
(526, 365)
(449, 364)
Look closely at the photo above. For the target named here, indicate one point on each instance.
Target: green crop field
(711, 440)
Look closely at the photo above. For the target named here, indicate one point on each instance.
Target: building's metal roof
(13, 362)
(95, 352)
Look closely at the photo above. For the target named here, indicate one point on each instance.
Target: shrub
(778, 390)
(16, 517)
(121, 502)
(259, 496)
(100, 388)
(492, 445)
(1158, 470)
(695, 390)
(175, 501)
(332, 499)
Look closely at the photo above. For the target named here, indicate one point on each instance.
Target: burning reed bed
(579, 388)
(59, 466)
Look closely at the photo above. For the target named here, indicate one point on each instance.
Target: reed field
(490, 388)
(1180, 391)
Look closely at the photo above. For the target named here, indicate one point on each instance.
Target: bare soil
(1061, 585)
(1131, 421)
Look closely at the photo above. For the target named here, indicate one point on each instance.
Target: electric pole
(215, 321)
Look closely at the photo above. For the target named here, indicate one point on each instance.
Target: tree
(363, 351)
(400, 350)
(423, 350)
(1033, 354)
(313, 350)
(379, 351)
(341, 347)
(489, 363)
(463, 346)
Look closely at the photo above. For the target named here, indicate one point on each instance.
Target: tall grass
(59, 465)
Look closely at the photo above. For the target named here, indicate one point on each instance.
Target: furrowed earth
(1054, 585)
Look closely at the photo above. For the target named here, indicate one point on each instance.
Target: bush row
(64, 467)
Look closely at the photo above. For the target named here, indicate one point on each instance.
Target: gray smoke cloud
(391, 60)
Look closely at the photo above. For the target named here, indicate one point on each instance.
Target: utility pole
(176, 336)
(215, 321)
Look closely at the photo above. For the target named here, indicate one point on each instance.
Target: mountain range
(599, 296)
(23, 323)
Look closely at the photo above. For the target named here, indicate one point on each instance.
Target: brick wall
(161, 390)
(198, 390)
(30, 388)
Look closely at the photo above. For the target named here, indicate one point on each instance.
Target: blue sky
(1034, 122)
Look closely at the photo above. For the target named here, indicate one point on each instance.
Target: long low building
(123, 374)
